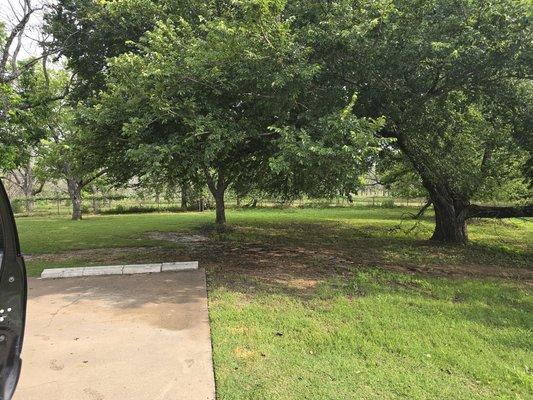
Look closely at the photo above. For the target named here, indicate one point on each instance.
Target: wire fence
(60, 206)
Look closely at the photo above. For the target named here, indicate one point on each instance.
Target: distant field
(335, 303)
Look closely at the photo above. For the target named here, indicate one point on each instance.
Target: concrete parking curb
(55, 273)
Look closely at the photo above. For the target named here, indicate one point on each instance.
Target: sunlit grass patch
(377, 335)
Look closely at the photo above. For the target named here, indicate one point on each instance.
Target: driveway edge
(55, 273)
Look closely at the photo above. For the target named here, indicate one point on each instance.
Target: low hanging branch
(416, 225)
(475, 211)
(421, 212)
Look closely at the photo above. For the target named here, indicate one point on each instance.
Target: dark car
(13, 292)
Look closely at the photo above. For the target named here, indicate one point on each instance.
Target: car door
(13, 293)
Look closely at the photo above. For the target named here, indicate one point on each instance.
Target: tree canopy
(449, 77)
(294, 97)
(220, 101)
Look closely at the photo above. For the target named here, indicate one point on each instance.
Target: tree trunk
(74, 191)
(220, 207)
(450, 210)
(184, 196)
(29, 203)
(96, 206)
(27, 187)
(218, 190)
(451, 213)
(450, 224)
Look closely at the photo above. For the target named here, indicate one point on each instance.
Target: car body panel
(13, 296)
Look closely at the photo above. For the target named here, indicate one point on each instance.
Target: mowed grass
(339, 303)
(53, 235)
(375, 336)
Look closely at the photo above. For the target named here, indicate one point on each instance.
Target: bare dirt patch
(178, 237)
(299, 269)
(295, 267)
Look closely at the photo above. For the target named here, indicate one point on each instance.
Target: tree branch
(6, 78)
(39, 189)
(14, 183)
(423, 209)
(487, 158)
(84, 183)
(210, 181)
(392, 134)
(15, 32)
(47, 100)
(475, 211)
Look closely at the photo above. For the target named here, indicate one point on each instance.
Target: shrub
(120, 209)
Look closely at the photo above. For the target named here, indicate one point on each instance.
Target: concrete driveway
(139, 337)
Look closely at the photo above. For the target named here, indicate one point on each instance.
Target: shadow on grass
(309, 261)
(377, 245)
(487, 302)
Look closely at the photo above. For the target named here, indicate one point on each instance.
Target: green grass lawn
(375, 335)
(336, 303)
